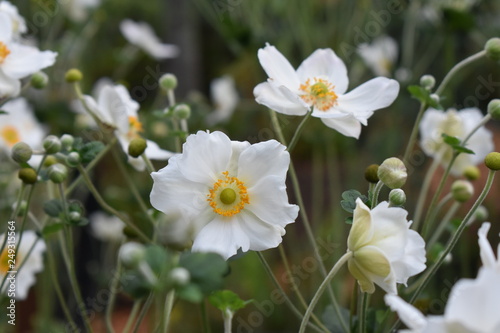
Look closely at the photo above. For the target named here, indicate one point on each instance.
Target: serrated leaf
(53, 207)
(349, 202)
(89, 151)
(227, 300)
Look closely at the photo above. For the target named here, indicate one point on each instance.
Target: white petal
(25, 60)
(481, 142)
(262, 235)
(205, 156)
(270, 96)
(325, 63)
(223, 236)
(154, 152)
(408, 314)
(269, 201)
(362, 226)
(278, 68)
(347, 125)
(413, 261)
(9, 87)
(487, 254)
(390, 229)
(5, 28)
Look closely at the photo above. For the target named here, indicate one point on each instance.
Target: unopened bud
(180, 276)
(73, 75)
(74, 216)
(52, 144)
(137, 147)
(67, 141)
(39, 80)
(427, 82)
(371, 173)
(481, 213)
(28, 175)
(492, 48)
(462, 190)
(435, 97)
(494, 109)
(168, 81)
(131, 254)
(397, 198)
(392, 172)
(73, 159)
(182, 111)
(49, 160)
(492, 161)
(21, 152)
(57, 173)
(472, 172)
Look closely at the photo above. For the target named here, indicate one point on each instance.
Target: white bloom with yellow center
(224, 97)
(473, 304)
(385, 251)
(320, 84)
(18, 61)
(380, 55)
(32, 263)
(142, 35)
(117, 109)
(232, 194)
(106, 228)
(18, 22)
(458, 124)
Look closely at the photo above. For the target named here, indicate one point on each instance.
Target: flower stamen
(4, 52)
(135, 127)
(228, 196)
(319, 94)
(11, 135)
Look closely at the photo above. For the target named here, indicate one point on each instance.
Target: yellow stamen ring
(4, 52)
(320, 94)
(228, 196)
(11, 135)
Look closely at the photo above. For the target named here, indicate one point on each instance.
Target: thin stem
(143, 312)
(228, 320)
(376, 193)
(169, 303)
(322, 288)
(423, 193)
(131, 317)
(204, 317)
(457, 68)
(111, 303)
(442, 226)
(362, 313)
(483, 121)
(298, 131)
(414, 133)
(149, 165)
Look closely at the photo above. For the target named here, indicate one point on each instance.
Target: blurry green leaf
(227, 300)
(332, 321)
(53, 207)
(3, 112)
(207, 270)
(456, 144)
(52, 228)
(458, 20)
(424, 96)
(191, 293)
(90, 150)
(349, 202)
(348, 220)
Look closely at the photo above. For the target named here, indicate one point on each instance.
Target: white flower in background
(32, 264)
(385, 250)
(224, 97)
(232, 194)
(473, 304)
(458, 124)
(142, 35)
(78, 10)
(17, 21)
(320, 83)
(116, 108)
(380, 55)
(83, 119)
(106, 228)
(20, 124)
(18, 61)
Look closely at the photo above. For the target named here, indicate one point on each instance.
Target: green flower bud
(73, 159)
(21, 152)
(67, 141)
(52, 144)
(73, 75)
(131, 254)
(481, 213)
(49, 160)
(180, 276)
(182, 111)
(57, 173)
(74, 216)
(397, 198)
(392, 172)
(462, 190)
(427, 82)
(494, 109)
(28, 175)
(137, 147)
(472, 172)
(492, 161)
(39, 80)
(168, 81)
(435, 97)
(492, 48)
(371, 173)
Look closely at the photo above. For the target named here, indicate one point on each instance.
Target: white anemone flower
(19, 124)
(18, 23)
(18, 61)
(143, 36)
(385, 251)
(116, 108)
(106, 228)
(320, 84)
(458, 124)
(224, 97)
(32, 263)
(473, 304)
(232, 194)
(381, 55)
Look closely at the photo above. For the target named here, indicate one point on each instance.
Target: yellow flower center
(320, 94)
(4, 52)
(135, 127)
(10, 134)
(5, 265)
(228, 196)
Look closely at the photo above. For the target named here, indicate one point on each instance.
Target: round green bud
(73, 159)
(392, 172)
(494, 109)
(28, 175)
(39, 80)
(168, 81)
(57, 173)
(137, 147)
(492, 48)
(49, 160)
(397, 197)
(371, 173)
(427, 82)
(462, 190)
(180, 276)
(74, 216)
(481, 213)
(21, 152)
(67, 141)
(492, 161)
(472, 172)
(52, 144)
(73, 75)
(131, 254)
(435, 97)
(182, 111)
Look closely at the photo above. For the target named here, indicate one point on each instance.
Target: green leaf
(456, 144)
(424, 96)
(190, 292)
(3, 112)
(52, 228)
(90, 150)
(349, 202)
(348, 220)
(207, 270)
(227, 300)
(332, 321)
(53, 207)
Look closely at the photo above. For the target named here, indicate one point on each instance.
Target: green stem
(442, 226)
(149, 165)
(228, 320)
(298, 131)
(169, 303)
(204, 317)
(376, 193)
(322, 288)
(423, 193)
(362, 313)
(414, 133)
(111, 303)
(131, 317)
(143, 312)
